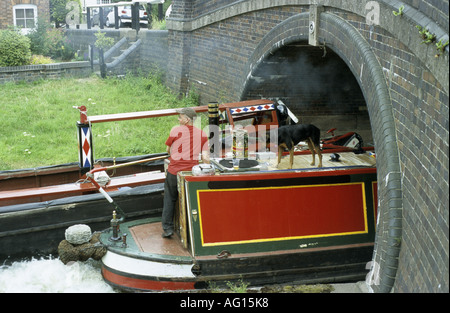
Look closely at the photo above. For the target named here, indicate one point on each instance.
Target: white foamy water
(50, 275)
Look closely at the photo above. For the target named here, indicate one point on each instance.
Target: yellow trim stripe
(365, 231)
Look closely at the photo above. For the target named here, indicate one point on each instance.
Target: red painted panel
(260, 214)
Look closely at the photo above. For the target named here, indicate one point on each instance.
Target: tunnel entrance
(316, 84)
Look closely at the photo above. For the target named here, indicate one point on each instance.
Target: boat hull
(133, 268)
(333, 265)
(38, 205)
(34, 229)
(134, 274)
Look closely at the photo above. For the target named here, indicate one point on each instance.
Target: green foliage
(158, 24)
(400, 11)
(54, 38)
(429, 37)
(38, 37)
(240, 287)
(58, 10)
(50, 42)
(14, 48)
(426, 35)
(102, 41)
(440, 46)
(40, 59)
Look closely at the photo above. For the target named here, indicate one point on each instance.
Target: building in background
(23, 13)
(85, 3)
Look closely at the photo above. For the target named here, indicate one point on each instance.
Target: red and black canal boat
(260, 224)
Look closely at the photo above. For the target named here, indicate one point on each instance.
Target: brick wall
(436, 10)
(404, 85)
(153, 52)
(218, 53)
(6, 10)
(150, 57)
(420, 111)
(31, 73)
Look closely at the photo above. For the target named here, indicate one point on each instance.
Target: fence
(133, 15)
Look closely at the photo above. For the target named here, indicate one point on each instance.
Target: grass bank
(38, 126)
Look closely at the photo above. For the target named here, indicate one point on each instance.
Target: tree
(59, 10)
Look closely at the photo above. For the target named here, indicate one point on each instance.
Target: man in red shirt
(184, 145)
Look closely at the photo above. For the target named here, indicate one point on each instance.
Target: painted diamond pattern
(86, 147)
(253, 109)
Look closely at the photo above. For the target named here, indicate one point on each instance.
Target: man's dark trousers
(170, 199)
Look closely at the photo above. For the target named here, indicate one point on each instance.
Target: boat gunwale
(167, 258)
(285, 173)
(142, 255)
(280, 273)
(219, 277)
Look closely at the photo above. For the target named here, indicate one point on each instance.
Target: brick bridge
(351, 60)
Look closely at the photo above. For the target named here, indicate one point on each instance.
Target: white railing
(135, 19)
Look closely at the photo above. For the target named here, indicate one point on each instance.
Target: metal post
(116, 17)
(133, 16)
(100, 18)
(88, 17)
(149, 16)
(115, 227)
(213, 119)
(102, 63)
(138, 18)
(91, 56)
(160, 12)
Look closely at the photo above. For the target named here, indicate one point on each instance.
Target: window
(25, 16)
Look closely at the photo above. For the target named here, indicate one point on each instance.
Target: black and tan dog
(291, 135)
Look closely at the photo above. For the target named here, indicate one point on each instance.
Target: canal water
(50, 275)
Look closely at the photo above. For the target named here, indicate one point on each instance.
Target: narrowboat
(38, 205)
(255, 220)
(242, 217)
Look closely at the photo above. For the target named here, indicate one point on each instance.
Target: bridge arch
(342, 38)
(218, 45)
